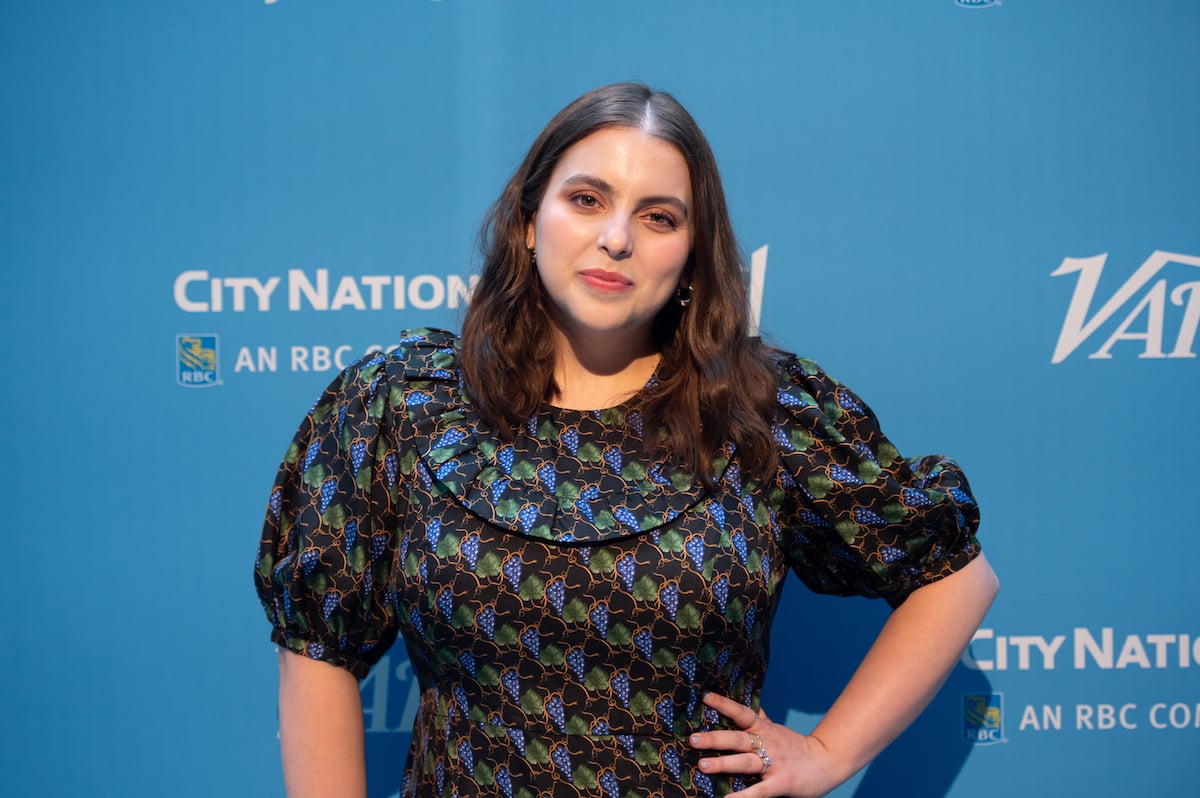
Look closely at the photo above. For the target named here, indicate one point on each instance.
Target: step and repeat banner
(982, 215)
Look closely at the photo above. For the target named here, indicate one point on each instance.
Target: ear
(530, 235)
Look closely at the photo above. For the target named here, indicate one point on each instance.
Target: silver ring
(766, 760)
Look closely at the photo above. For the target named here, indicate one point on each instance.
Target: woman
(580, 516)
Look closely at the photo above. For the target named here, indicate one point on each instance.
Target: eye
(585, 200)
(662, 220)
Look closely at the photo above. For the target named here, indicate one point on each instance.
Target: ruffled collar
(570, 476)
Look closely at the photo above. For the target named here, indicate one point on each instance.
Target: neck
(603, 371)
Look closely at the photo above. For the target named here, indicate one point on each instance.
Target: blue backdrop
(981, 215)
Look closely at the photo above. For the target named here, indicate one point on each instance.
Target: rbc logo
(196, 363)
(983, 718)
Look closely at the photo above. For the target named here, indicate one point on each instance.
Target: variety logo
(1146, 322)
(197, 360)
(983, 718)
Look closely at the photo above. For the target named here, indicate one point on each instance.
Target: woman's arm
(899, 676)
(320, 729)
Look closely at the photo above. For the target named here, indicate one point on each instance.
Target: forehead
(629, 159)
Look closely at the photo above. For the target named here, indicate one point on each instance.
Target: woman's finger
(738, 712)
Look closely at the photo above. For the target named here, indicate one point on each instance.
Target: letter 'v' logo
(1077, 327)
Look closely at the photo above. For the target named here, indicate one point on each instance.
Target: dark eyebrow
(605, 187)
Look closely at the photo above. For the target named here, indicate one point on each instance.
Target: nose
(616, 239)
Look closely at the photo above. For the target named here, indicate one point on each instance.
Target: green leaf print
(868, 471)
(363, 480)
(532, 588)
(633, 471)
(605, 520)
(819, 485)
(663, 658)
(488, 676)
(887, 454)
(688, 617)
(641, 705)
(681, 481)
(671, 541)
(358, 559)
(488, 566)
(551, 655)
(408, 462)
(585, 778)
(488, 475)
(847, 530)
(646, 754)
(602, 562)
(590, 453)
(508, 508)
(334, 516)
(448, 545)
(292, 454)
(315, 475)
(577, 725)
(411, 566)
(596, 679)
(463, 617)
(575, 611)
(523, 470)
(735, 611)
(754, 561)
(566, 492)
(547, 431)
(536, 752)
(894, 512)
(645, 589)
(532, 703)
(483, 774)
(619, 635)
(507, 635)
(376, 409)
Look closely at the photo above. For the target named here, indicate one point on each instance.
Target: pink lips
(604, 280)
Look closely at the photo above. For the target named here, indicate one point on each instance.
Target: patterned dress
(564, 600)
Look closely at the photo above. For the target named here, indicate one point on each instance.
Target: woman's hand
(787, 763)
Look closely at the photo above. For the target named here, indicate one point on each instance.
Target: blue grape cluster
(497, 489)
(351, 533)
(848, 401)
(612, 456)
(669, 598)
(655, 475)
(601, 727)
(330, 603)
(570, 437)
(645, 643)
(670, 758)
(717, 512)
(739, 545)
(328, 489)
(470, 549)
(781, 438)
(814, 520)
(625, 567)
(548, 476)
(720, 589)
(891, 554)
(916, 498)
(868, 517)
(311, 454)
(695, 550)
(446, 468)
(532, 641)
(342, 418)
(608, 781)
(576, 662)
(750, 615)
(390, 469)
(702, 781)
(560, 757)
(439, 774)
(693, 699)
(839, 474)
(512, 571)
(518, 739)
(449, 438)
(665, 710)
(556, 591)
(504, 780)
(688, 663)
(415, 616)
(379, 543)
(627, 518)
(466, 755)
(417, 398)
(722, 659)
(467, 660)
(460, 695)
(528, 515)
(711, 716)
(512, 684)
(358, 453)
(315, 651)
(620, 685)
(373, 388)
(445, 602)
(505, 455)
(486, 620)
(557, 712)
(599, 618)
(423, 475)
(433, 533)
(275, 503)
(962, 497)
(308, 560)
(635, 422)
(786, 399)
(626, 742)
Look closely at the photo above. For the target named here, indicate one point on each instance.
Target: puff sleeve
(859, 519)
(324, 564)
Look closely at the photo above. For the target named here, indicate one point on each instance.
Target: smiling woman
(580, 516)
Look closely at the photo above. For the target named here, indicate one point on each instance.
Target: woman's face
(612, 233)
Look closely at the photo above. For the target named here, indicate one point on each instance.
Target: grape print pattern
(564, 600)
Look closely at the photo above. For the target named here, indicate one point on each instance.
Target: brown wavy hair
(716, 385)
